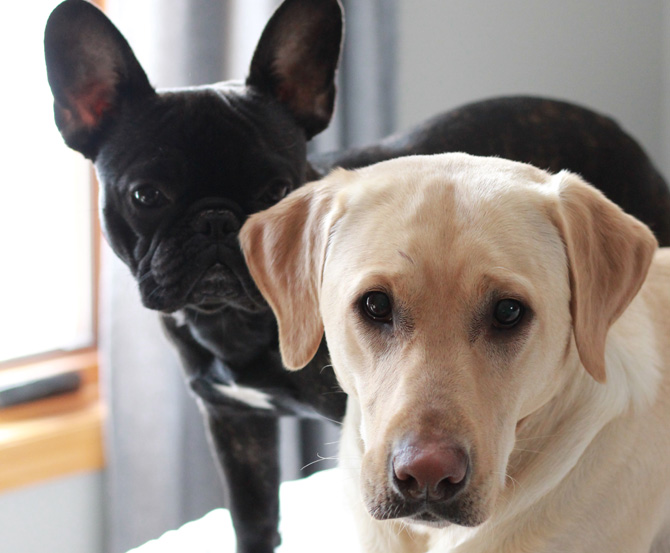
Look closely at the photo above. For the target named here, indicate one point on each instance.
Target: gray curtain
(160, 473)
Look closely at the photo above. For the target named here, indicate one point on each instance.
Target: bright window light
(46, 214)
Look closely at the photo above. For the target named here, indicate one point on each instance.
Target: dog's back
(565, 136)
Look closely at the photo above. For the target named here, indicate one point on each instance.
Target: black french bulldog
(180, 172)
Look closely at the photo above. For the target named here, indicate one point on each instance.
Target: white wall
(609, 55)
(61, 515)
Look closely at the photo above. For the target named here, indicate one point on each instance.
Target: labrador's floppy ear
(285, 248)
(296, 60)
(609, 253)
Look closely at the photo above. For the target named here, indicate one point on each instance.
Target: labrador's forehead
(447, 221)
(441, 204)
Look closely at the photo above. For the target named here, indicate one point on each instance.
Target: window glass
(46, 211)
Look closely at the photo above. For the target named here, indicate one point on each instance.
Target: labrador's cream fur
(565, 416)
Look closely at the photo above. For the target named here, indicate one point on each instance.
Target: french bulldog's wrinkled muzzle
(197, 263)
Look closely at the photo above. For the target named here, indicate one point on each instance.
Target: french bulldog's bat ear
(285, 248)
(609, 253)
(91, 70)
(296, 60)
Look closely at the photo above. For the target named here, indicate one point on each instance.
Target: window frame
(55, 436)
(59, 435)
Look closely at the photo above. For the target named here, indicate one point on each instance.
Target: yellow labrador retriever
(503, 335)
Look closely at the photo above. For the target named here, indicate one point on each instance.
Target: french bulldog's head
(180, 171)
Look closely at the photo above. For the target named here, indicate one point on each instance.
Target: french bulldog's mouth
(212, 290)
(208, 306)
(208, 280)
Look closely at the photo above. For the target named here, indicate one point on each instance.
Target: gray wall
(610, 55)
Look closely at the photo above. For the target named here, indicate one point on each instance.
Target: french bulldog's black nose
(215, 223)
(429, 470)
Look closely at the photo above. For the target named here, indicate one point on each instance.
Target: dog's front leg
(247, 450)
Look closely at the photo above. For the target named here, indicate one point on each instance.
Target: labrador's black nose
(431, 470)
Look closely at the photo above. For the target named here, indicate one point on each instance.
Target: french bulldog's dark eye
(378, 307)
(149, 196)
(507, 313)
(275, 191)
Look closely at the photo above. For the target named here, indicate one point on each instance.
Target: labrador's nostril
(432, 470)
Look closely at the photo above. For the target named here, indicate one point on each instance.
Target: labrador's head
(453, 291)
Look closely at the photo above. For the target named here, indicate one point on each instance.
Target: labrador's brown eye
(378, 307)
(507, 313)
